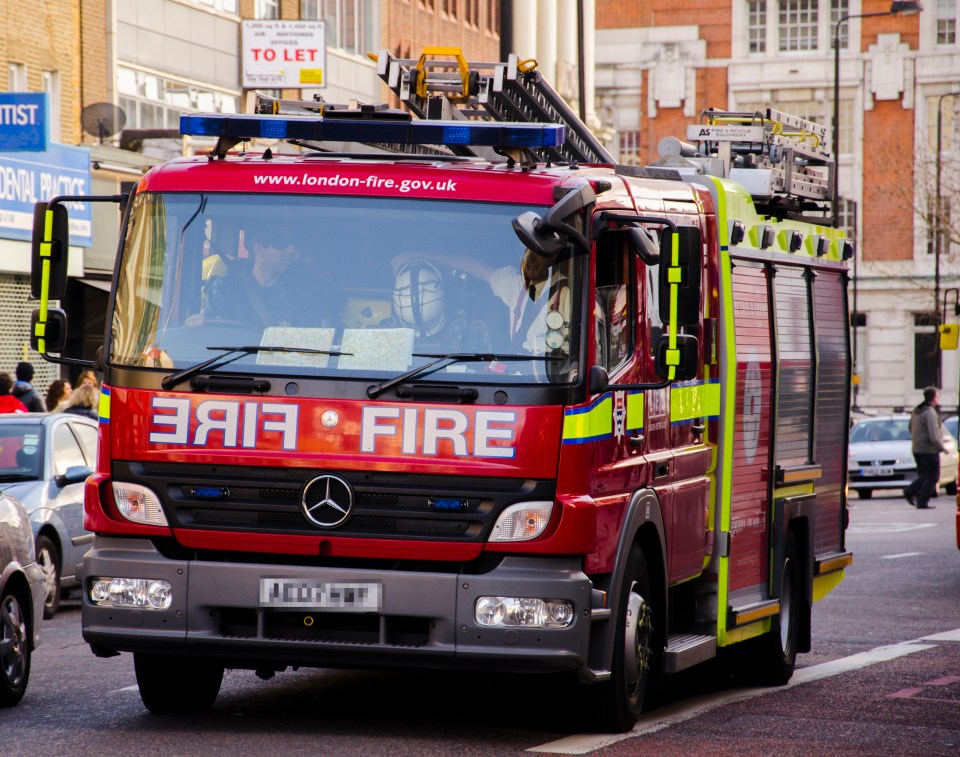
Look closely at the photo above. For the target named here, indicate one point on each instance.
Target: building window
(224, 6)
(757, 25)
(946, 22)
(50, 80)
(797, 25)
(839, 9)
(266, 9)
(471, 13)
(17, 77)
(493, 17)
(926, 350)
(449, 7)
(847, 217)
(629, 148)
(350, 24)
(155, 102)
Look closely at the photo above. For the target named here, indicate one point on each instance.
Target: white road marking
(126, 688)
(888, 528)
(902, 554)
(691, 708)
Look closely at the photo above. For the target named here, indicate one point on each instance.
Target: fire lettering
(173, 417)
(441, 431)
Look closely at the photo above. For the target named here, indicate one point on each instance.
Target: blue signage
(23, 121)
(29, 177)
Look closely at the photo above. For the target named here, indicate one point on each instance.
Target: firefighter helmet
(418, 297)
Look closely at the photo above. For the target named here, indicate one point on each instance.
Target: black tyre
(48, 558)
(778, 648)
(865, 493)
(177, 684)
(615, 705)
(951, 489)
(15, 635)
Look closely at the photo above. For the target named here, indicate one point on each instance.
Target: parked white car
(880, 456)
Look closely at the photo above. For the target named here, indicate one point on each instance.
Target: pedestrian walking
(84, 401)
(58, 391)
(23, 390)
(926, 435)
(9, 403)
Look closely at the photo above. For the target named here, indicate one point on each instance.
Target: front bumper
(426, 618)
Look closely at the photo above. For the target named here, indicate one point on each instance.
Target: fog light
(527, 612)
(145, 593)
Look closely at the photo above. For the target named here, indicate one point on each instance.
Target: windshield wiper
(375, 390)
(168, 382)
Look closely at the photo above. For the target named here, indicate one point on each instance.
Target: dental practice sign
(28, 176)
(24, 124)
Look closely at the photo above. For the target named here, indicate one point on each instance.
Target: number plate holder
(322, 596)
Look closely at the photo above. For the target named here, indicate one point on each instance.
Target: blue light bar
(317, 129)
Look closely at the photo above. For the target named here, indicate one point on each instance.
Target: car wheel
(177, 684)
(865, 493)
(48, 558)
(951, 488)
(15, 635)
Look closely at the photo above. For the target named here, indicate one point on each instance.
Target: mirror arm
(631, 387)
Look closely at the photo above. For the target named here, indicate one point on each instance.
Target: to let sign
(24, 125)
(284, 54)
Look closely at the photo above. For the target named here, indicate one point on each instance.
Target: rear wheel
(177, 684)
(865, 493)
(778, 648)
(615, 705)
(15, 636)
(951, 488)
(48, 558)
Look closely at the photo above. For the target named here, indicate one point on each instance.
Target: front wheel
(616, 704)
(778, 648)
(865, 493)
(48, 558)
(951, 489)
(15, 636)
(177, 684)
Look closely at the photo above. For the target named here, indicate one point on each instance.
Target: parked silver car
(880, 456)
(21, 600)
(44, 460)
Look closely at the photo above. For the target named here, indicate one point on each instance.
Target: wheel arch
(643, 526)
(18, 585)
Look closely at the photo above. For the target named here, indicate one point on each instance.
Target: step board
(687, 649)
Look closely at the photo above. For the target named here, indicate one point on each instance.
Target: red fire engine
(457, 391)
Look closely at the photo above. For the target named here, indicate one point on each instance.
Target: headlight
(138, 504)
(145, 593)
(528, 612)
(522, 521)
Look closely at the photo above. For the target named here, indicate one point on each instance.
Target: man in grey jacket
(926, 434)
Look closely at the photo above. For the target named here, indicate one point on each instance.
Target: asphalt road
(883, 679)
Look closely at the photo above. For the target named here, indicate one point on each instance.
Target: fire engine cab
(449, 388)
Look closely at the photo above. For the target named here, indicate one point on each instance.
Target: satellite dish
(102, 120)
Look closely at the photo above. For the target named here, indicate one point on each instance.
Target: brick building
(661, 62)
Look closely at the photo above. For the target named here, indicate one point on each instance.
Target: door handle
(698, 429)
(636, 440)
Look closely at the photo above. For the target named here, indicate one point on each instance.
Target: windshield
(375, 287)
(881, 430)
(20, 452)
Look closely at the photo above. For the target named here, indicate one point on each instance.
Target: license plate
(876, 471)
(304, 594)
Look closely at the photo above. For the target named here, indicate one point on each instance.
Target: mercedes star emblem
(327, 501)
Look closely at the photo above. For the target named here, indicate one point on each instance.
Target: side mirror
(50, 246)
(598, 380)
(643, 245)
(49, 335)
(75, 474)
(546, 236)
(681, 269)
(679, 364)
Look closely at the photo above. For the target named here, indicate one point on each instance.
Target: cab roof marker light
(316, 129)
